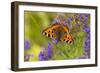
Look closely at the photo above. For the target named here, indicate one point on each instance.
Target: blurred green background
(35, 23)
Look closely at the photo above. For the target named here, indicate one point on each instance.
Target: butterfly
(59, 32)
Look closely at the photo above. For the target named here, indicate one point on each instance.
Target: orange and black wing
(67, 38)
(51, 32)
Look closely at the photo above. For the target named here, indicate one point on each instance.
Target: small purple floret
(27, 44)
(46, 54)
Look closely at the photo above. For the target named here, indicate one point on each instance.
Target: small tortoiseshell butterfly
(59, 32)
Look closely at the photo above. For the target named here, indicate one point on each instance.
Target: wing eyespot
(67, 41)
(52, 36)
(71, 42)
(64, 40)
(44, 33)
(48, 35)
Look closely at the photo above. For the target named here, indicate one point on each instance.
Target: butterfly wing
(51, 32)
(65, 29)
(67, 38)
(59, 32)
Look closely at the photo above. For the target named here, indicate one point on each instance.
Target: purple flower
(46, 54)
(86, 29)
(87, 44)
(42, 56)
(69, 21)
(87, 38)
(60, 19)
(84, 18)
(56, 20)
(64, 23)
(56, 41)
(76, 18)
(26, 45)
(28, 56)
(50, 51)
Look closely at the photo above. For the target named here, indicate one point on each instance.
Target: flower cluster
(87, 41)
(81, 21)
(26, 47)
(60, 18)
(46, 53)
(86, 29)
(83, 18)
(26, 44)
